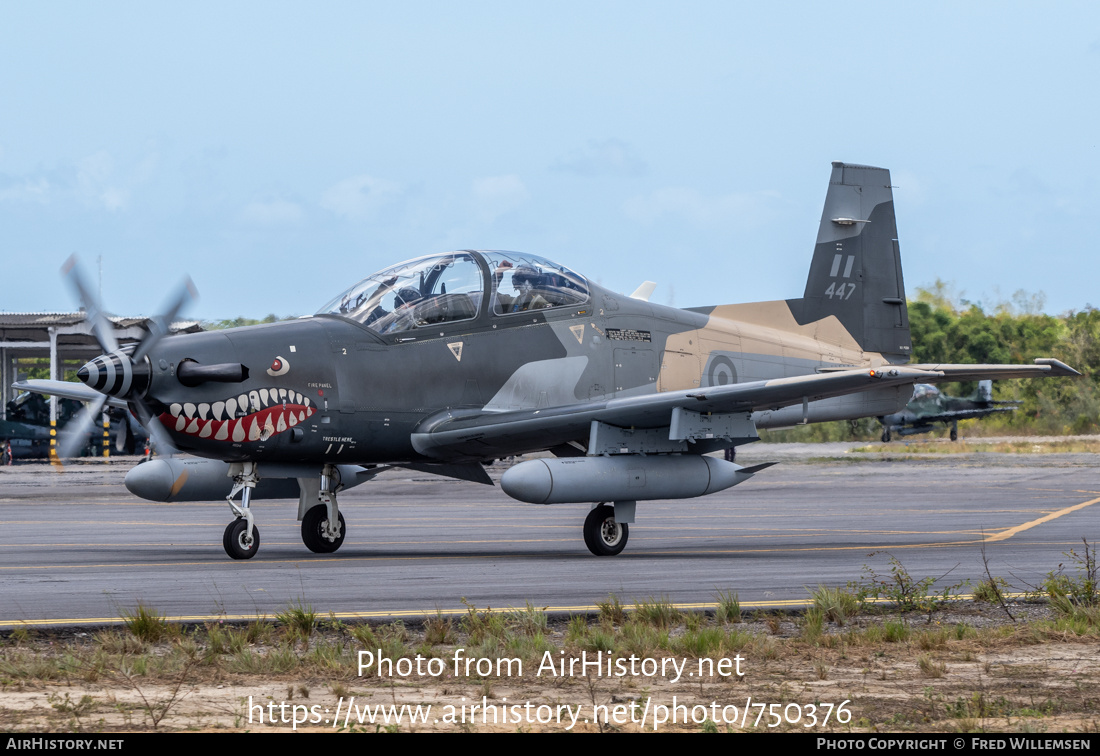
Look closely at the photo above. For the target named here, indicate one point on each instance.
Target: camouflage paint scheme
(599, 382)
(929, 406)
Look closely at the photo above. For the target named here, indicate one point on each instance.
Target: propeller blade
(74, 436)
(103, 328)
(156, 430)
(160, 325)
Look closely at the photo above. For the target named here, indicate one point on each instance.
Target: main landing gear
(603, 534)
(323, 527)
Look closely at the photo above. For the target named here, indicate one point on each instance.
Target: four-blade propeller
(118, 373)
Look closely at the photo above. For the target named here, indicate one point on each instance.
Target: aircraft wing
(456, 435)
(1044, 366)
(956, 415)
(66, 390)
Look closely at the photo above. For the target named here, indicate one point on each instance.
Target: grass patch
(871, 650)
(439, 630)
(612, 610)
(729, 607)
(299, 620)
(835, 604)
(657, 612)
(145, 624)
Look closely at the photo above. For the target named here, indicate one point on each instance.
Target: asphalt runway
(77, 548)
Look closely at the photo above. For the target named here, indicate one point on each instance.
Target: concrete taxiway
(76, 547)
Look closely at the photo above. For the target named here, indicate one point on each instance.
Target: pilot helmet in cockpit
(526, 276)
(406, 296)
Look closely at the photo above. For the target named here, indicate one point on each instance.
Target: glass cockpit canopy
(448, 288)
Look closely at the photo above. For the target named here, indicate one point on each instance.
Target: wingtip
(1057, 367)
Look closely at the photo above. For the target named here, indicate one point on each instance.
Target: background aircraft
(929, 405)
(445, 362)
(25, 434)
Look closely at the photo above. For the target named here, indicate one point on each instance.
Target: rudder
(856, 269)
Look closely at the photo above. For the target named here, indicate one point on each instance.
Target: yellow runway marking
(1005, 535)
(382, 614)
(456, 612)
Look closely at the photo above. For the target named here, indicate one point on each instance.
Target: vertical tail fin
(984, 392)
(856, 269)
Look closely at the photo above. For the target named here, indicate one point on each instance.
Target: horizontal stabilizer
(1044, 366)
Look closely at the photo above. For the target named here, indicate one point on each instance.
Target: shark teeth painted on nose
(259, 415)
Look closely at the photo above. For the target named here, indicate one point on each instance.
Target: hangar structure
(60, 336)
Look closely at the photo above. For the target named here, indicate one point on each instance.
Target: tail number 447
(840, 290)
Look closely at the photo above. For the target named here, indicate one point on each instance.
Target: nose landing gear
(241, 539)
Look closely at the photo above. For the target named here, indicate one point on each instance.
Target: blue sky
(278, 152)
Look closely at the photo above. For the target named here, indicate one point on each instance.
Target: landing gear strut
(602, 534)
(323, 526)
(241, 539)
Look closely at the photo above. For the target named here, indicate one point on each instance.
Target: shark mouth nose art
(255, 416)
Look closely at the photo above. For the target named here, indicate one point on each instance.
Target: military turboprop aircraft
(929, 406)
(27, 430)
(444, 362)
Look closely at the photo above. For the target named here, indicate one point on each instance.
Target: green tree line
(947, 328)
(220, 325)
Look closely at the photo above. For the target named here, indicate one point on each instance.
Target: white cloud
(272, 213)
(603, 157)
(25, 189)
(690, 205)
(94, 180)
(496, 195)
(359, 197)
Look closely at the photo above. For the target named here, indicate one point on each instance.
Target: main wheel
(886, 436)
(313, 535)
(236, 541)
(954, 434)
(602, 535)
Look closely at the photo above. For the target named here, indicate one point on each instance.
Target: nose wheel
(241, 539)
(602, 534)
(237, 541)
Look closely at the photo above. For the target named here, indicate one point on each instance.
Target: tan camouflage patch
(768, 332)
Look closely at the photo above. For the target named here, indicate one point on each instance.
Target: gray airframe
(443, 363)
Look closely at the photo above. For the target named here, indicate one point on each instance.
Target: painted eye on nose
(279, 367)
